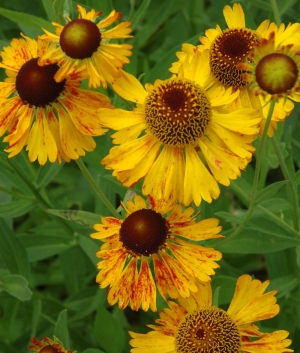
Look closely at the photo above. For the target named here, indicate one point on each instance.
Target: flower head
(273, 72)
(55, 120)
(46, 345)
(194, 325)
(189, 140)
(150, 234)
(83, 43)
(230, 48)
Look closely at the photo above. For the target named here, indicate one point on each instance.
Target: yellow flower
(231, 47)
(47, 346)
(273, 72)
(194, 325)
(189, 141)
(83, 43)
(151, 235)
(56, 120)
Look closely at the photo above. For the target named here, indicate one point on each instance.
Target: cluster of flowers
(186, 135)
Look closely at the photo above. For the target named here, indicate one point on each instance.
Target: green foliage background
(47, 259)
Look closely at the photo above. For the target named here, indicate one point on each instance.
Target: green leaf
(140, 14)
(93, 350)
(30, 24)
(254, 241)
(7, 348)
(84, 218)
(89, 246)
(12, 251)
(229, 217)
(283, 285)
(47, 172)
(296, 180)
(226, 285)
(106, 329)
(63, 9)
(16, 286)
(37, 311)
(269, 191)
(16, 208)
(61, 329)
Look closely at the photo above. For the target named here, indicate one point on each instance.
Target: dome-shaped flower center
(36, 85)
(49, 349)
(80, 38)
(144, 232)
(276, 73)
(177, 112)
(207, 330)
(229, 49)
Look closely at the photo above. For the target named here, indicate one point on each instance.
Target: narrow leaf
(269, 191)
(61, 329)
(12, 251)
(82, 217)
(16, 208)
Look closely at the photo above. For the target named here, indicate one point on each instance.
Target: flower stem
(96, 188)
(275, 12)
(256, 173)
(292, 191)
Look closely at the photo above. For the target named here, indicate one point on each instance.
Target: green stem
(275, 12)
(96, 188)
(292, 191)
(256, 173)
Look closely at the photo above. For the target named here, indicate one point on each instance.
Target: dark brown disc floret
(207, 330)
(229, 49)
(177, 112)
(49, 349)
(144, 232)
(80, 39)
(36, 85)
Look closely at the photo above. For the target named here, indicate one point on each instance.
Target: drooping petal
(109, 226)
(41, 144)
(198, 182)
(123, 290)
(145, 293)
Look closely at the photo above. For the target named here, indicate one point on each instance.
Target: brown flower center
(80, 38)
(177, 112)
(36, 85)
(49, 349)
(229, 49)
(144, 232)
(207, 330)
(276, 73)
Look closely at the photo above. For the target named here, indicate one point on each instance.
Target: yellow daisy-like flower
(46, 345)
(83, 43)
(56, 120)
(153, 235)
(231, 47)
(194, 325)
(273, 72)
(189, 141)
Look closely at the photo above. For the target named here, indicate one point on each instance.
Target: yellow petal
(128, 155)
(249, 303)
(41, 143)
(182, 280)
(129, 87)
(165, 178)
(118, 119)
(198, 182)
(234, 17)
(274, 342)
(152, 342)
(200, 299)
(145, 293)
(123, 290)
(85, 120)
(72, 141)
(9, 112)
(163, 279)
